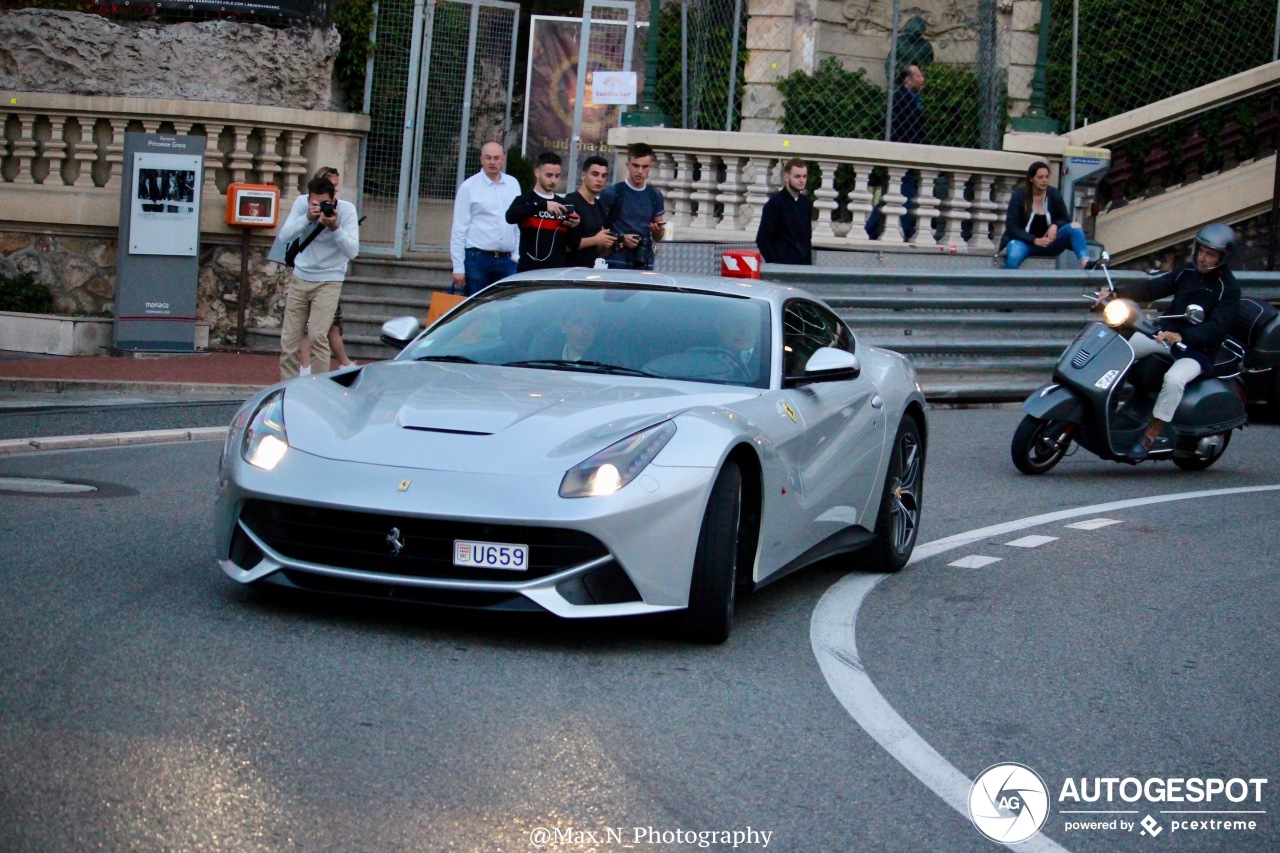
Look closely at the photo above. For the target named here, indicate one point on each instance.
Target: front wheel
(1216, 447)
(1038, 444)
(709, 617)
(898, 521)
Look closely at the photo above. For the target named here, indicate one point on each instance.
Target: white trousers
(1175, 381)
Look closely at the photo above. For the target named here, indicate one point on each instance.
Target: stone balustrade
(715, 184)
(62, 154)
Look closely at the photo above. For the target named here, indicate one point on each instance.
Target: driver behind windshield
(1206, 281)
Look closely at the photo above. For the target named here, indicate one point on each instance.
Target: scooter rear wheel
(1195, 463)
(1038, 444)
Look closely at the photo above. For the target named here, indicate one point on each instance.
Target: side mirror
(1106, 257)
(399, 332)
(828, 363)
(1195, 314)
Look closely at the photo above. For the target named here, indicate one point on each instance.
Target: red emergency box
(738, 263)
(253, 205)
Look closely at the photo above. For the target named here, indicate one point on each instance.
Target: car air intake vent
(1081, 358)
(448, 431)
(405, 545)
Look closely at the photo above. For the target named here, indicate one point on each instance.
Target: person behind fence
(311, 296)
(544, 218)
(634, 211)
(908, 125)
(785, 235)
(1037, 223)
(1206, 281)
(482, 244)
(590, 240)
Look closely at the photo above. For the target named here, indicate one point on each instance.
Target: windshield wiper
(593, 366)
(457, 359)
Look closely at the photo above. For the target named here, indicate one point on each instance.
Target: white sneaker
(305, 370)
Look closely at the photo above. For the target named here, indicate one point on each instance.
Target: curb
(59, 386)
(10, 447)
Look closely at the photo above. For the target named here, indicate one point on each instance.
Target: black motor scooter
(1101, 398)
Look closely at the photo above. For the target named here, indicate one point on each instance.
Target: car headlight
(616, 465)
(1119, 312)
(265, 441)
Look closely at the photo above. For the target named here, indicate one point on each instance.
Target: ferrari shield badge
(785, 408)
(404, 486)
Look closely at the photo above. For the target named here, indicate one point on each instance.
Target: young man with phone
(543, 217)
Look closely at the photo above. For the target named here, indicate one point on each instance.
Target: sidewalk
(212, 374)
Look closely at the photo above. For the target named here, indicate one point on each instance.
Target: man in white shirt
(483, 244)
(311, 298)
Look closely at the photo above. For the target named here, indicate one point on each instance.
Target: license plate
(491, 555)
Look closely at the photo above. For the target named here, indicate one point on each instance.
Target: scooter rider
(1206, 281)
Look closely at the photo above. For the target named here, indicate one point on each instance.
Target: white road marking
(1032, 541)
(977, 561)
(1094, 523)
(33, 486)
(833, 637)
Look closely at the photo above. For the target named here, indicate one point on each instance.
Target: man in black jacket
(908, 125)
(1206, 282)
(785, 235)
(543, 218)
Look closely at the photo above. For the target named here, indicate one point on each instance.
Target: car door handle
(877, 402)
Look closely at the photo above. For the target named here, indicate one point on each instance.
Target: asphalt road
(147, 702)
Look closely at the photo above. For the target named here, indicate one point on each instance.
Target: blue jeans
(1018, 251)
(910, 189)
(483, 269)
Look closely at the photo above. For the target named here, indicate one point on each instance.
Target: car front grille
(359, 540)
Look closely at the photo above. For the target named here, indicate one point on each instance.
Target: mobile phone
(568, 210)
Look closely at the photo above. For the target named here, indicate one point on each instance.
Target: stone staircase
(376, 290)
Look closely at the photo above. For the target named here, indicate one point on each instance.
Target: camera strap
(295, 248)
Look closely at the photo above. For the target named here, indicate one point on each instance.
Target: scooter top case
(1257, 328)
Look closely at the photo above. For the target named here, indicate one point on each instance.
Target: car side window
(806, 328)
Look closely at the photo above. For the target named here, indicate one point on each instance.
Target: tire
(1195, 463)
(898, 521)
(712, 587)
(1037, 445)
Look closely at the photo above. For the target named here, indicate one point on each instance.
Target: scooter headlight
(1120, 312)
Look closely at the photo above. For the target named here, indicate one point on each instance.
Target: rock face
(72, 53)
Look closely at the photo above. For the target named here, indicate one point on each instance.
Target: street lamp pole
(1035, 120)
(649, 114)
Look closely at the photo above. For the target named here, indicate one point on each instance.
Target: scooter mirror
(1106, 256)
(1195, 314)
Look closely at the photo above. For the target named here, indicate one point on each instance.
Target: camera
(327, 208)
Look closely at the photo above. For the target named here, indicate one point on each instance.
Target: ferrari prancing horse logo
(404, 486)
(787, 410)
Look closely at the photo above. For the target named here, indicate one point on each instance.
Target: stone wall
(80, 272)
(44, 50)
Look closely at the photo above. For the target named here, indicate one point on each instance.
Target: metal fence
(702, 54)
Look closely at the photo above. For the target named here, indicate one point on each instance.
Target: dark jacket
(908, 117)
(785, 235)
(543, 237)
(1217, 293)
(1015, 218)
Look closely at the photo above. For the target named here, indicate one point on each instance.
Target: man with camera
(311, 297)
(634, 212)
(590, 240)
(543, 217)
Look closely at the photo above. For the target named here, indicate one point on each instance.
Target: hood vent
(447, 431)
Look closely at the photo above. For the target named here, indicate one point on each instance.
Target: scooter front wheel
(1038, 444)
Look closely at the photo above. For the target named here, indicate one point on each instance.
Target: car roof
(751, 287)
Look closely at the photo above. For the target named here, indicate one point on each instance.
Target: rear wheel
(898, 521)
(709, 617)
(1038, 444)
(1194, 462)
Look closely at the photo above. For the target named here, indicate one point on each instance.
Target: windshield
(625, 330)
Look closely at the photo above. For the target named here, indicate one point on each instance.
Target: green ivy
(24, 294)
(354, 20)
